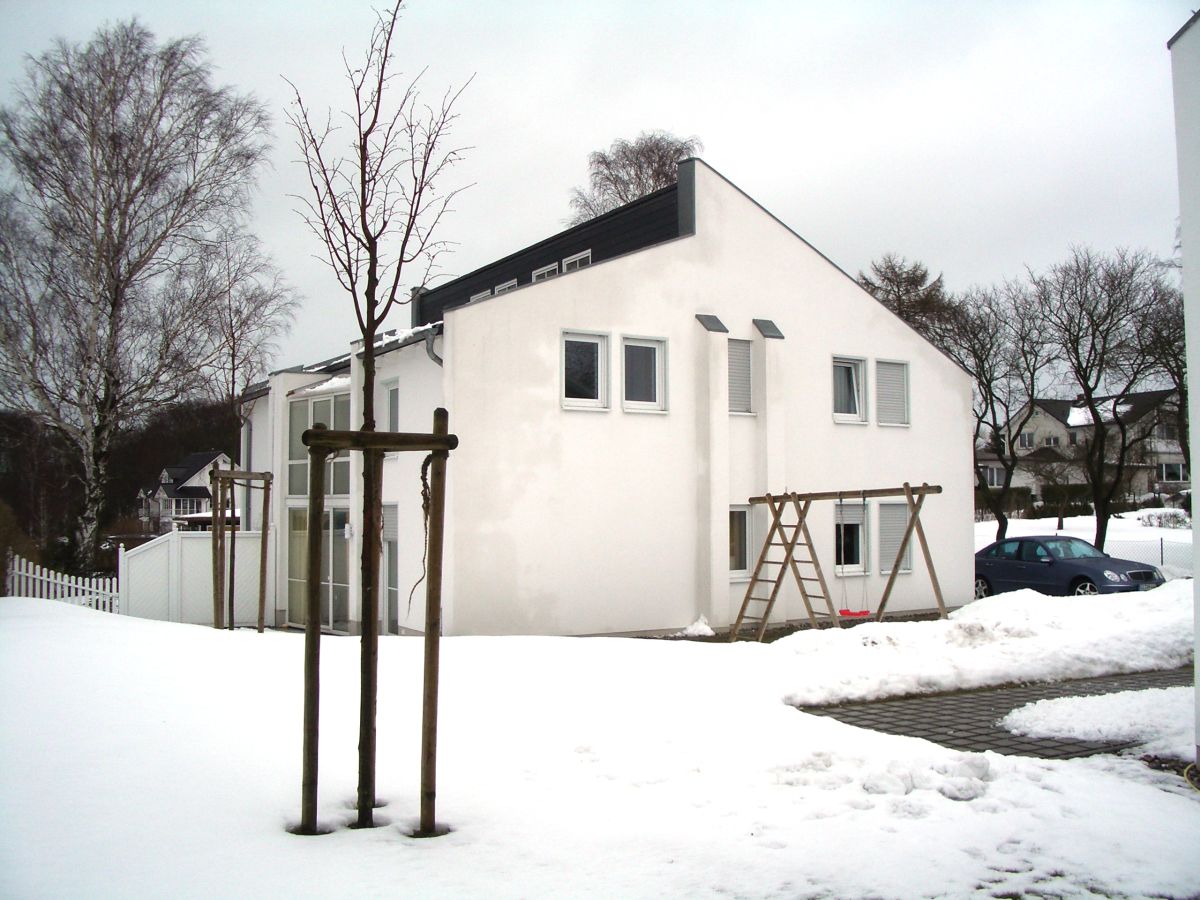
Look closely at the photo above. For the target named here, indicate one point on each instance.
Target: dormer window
(164, 478)
(578, 261)
(545, 272)
(509, 285)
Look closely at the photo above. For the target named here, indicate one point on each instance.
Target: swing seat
(853, 613)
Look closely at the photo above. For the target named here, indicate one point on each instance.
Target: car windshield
(1072, 548)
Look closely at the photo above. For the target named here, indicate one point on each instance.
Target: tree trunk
(372, 523)
(1001, 526)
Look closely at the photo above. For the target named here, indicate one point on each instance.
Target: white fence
(169, 579)
(28, 579)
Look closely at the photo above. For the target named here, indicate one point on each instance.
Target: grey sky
(978, 137)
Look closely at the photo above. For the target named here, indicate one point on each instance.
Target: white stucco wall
(587, 521)
(1185, 70)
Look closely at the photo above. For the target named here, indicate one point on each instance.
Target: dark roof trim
(711, 323)
(768, 329)
(1186, 25)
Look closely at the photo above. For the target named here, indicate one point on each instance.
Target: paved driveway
(966, 720)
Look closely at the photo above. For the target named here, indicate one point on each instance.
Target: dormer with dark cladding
(666, 214)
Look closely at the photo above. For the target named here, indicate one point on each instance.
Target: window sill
(846, 420)
(894, 424)
(850, 573)
(569, 407)
(639, 409)
(739, 577)
(743, 415)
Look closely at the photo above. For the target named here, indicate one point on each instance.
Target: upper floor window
(1165, 431)
(1025, 440)
(333, 411)
(507, 286)
(482, 295)
(848, 393)
(1073, 438)
(891, 392)
(392, 390)
(645, 380)
(578, 261)
(740, 383)
(1172, 472)
(1051, 440)
(585, 370)
(545, 272)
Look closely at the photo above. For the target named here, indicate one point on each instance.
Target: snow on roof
(336, 383)
(1081, 416)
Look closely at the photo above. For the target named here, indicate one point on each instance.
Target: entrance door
(335, 567)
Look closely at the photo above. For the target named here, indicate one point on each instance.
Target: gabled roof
(191, 464)
(1130, 408)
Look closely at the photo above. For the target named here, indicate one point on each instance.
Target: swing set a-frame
(788, 547)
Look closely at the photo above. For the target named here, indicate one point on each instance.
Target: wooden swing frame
(793, 535)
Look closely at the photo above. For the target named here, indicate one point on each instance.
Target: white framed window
(584, 370)
(1165, 431)
(482, 295)
(1025, 440)
(1051, 440)
(577, 261)
(334, 411)
(893, 520)
(739, 540)
(545, 272)
(891, 392)
(1073, 437)
(849, 394)
(643, 374)
(850, 539)
(507, 286)
(391, 414)
(993, 476)
(741, 386)
(1172, 472)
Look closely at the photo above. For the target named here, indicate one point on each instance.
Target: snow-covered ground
(143, 758)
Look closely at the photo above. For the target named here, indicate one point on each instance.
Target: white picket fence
(28, 579)
(169, 579)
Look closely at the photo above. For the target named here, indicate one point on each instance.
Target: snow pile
(143, 758)
(1162, 721)
(699, 628)
(1020, 636)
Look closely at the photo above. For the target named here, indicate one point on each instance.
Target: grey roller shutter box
(891, 389)
(893, 519)
(850, 512)
(739, 376)
(391, 528)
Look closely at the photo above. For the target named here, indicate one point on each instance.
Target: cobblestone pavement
(966, 720)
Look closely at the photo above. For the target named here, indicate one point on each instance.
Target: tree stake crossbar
(794, 537)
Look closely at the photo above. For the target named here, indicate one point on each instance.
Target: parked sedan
(1055, 564)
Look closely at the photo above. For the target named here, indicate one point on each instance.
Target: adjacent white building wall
(1185, 69)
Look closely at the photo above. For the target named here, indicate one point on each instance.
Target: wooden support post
(262, 551)
(214, 489)
(312, 636)
(221, 527)
(914, 516)
(933, 579)
(433, 627)
(231, 492)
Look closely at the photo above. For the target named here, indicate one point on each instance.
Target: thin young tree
(628, 170)
(378, 193)
(1097, 309)
(122, 159)
(998, 337)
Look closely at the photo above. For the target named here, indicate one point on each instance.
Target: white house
(182, 490)
(620, 391)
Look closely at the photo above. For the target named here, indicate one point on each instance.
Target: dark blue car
(1055, 564)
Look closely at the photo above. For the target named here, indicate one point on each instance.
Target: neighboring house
(620, 391)
(1052, 443)
(182, 490)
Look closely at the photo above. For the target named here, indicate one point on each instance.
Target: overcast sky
(979, 138)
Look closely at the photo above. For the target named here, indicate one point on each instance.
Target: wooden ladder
(772, 566)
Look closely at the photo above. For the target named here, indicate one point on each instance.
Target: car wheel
(982, 588)
(1084, 586)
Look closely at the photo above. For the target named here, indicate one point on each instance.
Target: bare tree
(1164, 333)
(907, 290)
(998, 337)
(249, 306)
(630, 169)
(376, 201)
(1097, 312)
(123, 158)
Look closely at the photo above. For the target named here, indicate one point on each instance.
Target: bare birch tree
(122, 158)
(628, 170)
(378, 193)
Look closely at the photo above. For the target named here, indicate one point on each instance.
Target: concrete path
(966, 720)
